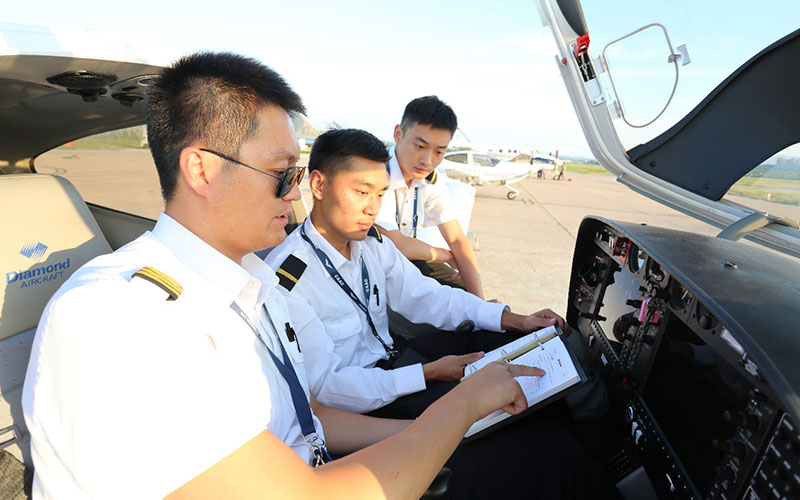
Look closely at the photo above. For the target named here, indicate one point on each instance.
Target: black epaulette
(373, 231)
(161, 280)
(290, 271)
(432, 177)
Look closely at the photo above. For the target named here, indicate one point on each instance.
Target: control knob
(590, 275)
(746, 420)
(629, 414)
(637, 437)
(730, 446)
(705, 321)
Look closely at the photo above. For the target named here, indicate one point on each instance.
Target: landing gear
(512, 194)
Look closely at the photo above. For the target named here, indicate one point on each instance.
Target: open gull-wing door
(711, 162)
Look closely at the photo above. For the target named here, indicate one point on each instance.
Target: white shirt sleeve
(123, 372)
(387, 215)
(423, 300)
(332, 382)
(438, 208)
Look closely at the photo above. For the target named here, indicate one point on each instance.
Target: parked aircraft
(478, 169)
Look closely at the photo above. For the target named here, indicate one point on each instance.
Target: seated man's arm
(400, 467)
(415, 249)
(334, 381)
(464, 257)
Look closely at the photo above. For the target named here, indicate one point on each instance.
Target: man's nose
(426, 158)
(293, 194)
(373, 205)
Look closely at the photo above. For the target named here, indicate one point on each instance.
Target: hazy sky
(357, 63)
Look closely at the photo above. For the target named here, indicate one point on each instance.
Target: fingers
(550, 315)
(537, 322)
(525, 371)
(471, 357)
(520, 403)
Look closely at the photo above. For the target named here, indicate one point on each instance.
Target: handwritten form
(551, 356)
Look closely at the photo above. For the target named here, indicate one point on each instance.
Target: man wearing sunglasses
(290, 177)
(171, 367)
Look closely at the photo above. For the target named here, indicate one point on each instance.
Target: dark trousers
(532, 458)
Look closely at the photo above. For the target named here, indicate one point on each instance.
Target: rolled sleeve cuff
(490, 316)
(408, 379)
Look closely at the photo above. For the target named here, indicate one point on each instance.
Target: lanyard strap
(415, 217)
(299, 399)
(326, 263)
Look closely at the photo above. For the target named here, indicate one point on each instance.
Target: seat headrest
(47, 233)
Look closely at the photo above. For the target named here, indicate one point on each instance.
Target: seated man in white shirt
(417, 195)
(171, 368)
(331, 270)
(339, 264)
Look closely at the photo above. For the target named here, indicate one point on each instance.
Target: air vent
(127, 98)
(87, 84)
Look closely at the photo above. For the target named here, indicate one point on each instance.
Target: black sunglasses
(289, 177)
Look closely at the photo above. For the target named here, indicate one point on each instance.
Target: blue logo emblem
(34, 251)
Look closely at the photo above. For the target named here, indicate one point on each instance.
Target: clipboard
(510, 357)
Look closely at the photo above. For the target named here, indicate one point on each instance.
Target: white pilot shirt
(129, 395)
(341, 357)
(433, 202)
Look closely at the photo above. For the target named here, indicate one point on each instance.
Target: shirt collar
(336, 258)
(207, 262)
(395, 174)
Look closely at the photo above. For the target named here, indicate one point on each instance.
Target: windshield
(485, 160)
(652, 93)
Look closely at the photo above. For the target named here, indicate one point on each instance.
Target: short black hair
(429, 110)
(333, 149)
(213, 98)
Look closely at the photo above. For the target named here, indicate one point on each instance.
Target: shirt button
(403, 224)
(406, 201)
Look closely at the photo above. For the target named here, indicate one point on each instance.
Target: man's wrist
(431, 371)
(511, 321)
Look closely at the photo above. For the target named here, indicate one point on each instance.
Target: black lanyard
(326, 263)
(299, 399)
(415, 217)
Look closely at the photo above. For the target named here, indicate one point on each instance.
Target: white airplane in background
(539, 161)
(477, 169)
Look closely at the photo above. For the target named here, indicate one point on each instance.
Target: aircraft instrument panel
(698, 342)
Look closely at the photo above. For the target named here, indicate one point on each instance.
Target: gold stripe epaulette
(169, 285)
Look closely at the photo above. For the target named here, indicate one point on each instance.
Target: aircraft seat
(48, 233)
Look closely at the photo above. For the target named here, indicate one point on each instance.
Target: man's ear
(197, 169)
(398, 133)
(316, 181)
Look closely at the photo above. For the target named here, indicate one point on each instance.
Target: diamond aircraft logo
(34, 251)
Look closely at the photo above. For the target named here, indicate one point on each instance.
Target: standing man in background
(417, 195)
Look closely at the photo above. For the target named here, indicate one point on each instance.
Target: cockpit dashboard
(698, 343)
